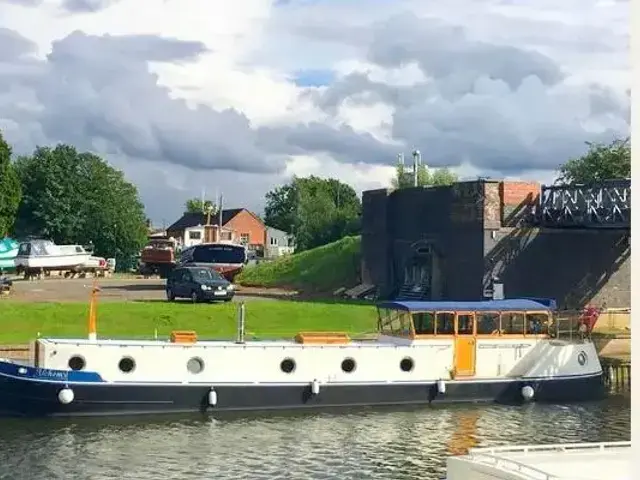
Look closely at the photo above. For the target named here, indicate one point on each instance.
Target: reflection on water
(360, 444)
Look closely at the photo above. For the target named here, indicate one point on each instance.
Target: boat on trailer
(39, 256)
(509, 351)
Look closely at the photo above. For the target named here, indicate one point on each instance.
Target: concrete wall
(575, 267)
(481, 229)
(446, 220)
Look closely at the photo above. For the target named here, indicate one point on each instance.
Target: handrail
(563, 447)
(506, 464)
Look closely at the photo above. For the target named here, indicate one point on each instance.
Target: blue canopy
(513, 304)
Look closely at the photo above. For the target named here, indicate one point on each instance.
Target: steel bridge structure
(603, 205)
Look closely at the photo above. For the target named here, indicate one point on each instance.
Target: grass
(322, 269)
(21, 322)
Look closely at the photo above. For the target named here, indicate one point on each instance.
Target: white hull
(52, 262)
(261, 362)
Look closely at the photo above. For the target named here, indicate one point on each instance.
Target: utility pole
(220, 219)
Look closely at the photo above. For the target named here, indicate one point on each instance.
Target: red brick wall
(245, 222)
(517, 199)
(514, 193)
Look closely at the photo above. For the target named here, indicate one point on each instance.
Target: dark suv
(200, 284)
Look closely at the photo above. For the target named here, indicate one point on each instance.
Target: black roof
(194, 219)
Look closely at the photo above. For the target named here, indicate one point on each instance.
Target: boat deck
(584, 461)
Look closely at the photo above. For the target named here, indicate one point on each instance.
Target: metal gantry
(603, 205)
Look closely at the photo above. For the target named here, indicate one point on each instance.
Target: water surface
(354, 444)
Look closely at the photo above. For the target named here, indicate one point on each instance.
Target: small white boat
(569, 461)
(44, 255)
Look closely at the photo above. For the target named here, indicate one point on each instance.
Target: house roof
(190, 219)
(277, 231)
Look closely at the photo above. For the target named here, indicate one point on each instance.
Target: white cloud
(480, 86)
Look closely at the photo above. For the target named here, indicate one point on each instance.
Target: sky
(237, 97)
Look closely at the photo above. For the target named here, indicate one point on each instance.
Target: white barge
(427, 352)
(577, 461)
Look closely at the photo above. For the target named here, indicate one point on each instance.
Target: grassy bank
(20, 322)
(322, 269)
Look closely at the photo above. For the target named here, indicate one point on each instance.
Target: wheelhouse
(491, 318)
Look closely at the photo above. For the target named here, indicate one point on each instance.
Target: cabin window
(424, 323)
(406, 364)
(195, 235)
(465, 324)
(127, 365)
(512, 323)
(77, 362)
(488, 323)
(394, 323)
(195, 365)
(288, 365)
(348, 365)
(537, 324)
(444, 323)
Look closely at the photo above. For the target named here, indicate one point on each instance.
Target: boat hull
(51, 262)
(26, 392)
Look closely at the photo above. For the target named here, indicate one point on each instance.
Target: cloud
(23, 3)
(13, 46)
(500, 108)
(241, 100)
(98, 91)
(86, 6)
(70, 6)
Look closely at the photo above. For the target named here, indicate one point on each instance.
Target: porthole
(77, 362)
(582, 358)
(348, 365)
(288, 365)
(195, 365)
(406, 364)
(127, 365)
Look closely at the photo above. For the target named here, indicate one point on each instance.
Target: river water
(356, 444)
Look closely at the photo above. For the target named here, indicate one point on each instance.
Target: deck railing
(551, 447)
(570, 325)
(508, 465)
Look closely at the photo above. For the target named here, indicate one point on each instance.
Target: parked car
(200, 284)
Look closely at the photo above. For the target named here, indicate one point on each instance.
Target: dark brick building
(453, 242)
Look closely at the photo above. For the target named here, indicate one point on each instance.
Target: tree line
(70, 197)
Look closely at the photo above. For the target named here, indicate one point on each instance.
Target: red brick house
(239, 225)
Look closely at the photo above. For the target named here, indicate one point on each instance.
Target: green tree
(195, 205)
(10, 191)
(426, 177)
(72, 197)
(315, 211)
(601, 162)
